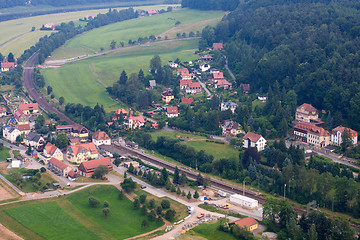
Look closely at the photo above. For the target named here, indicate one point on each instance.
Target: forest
(311, 47)
(225, 5)
(55, 3)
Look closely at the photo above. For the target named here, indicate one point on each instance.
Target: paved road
(227, 68)
(205, 88)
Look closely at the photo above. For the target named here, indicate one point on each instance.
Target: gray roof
(33, 137)
(10, 129)
(230, 104)
(152, 83)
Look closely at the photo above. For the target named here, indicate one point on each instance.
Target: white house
(262, 98)
(173, 65)
(204, 67)
(51, 151)
(172, 112)
(11, 133)
(254, 140)
(228, 105)
(101, 138)
(337, 133)
(33, 140)
(231, 128)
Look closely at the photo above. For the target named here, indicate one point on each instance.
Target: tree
(100, 171)
(176, 178)
(159, 210)
(143, 210)
(152, 215)
(61, 100)
(155, 64)
(312, 234)
(49, 90)
(145, 224)
(136, 203)
(346, 140)
(170, 214)
(164, 175)
(106, 211)
(178, 191)
(183, 179)
(123, 78)
(112, 44)
(196, 195)
(93, 202)
(62, 140)
(28, 151)
(189, 195)
(152, 203)
(128, 185)
(142, 198)
(11, 57)
(121, 195)
(199, 180)
(165, 204)
(183, 193)
(106, 204)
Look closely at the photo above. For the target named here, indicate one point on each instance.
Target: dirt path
(6, 234)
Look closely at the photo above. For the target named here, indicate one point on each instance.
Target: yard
(4, 153)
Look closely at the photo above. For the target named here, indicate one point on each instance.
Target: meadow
(4, 153)
(71, 217)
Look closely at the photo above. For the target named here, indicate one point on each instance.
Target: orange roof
(2, 110)
(246, 222)
(29, 106)
(137, 119)
(218, 75)
(18, 113)
(88, 146)
(172, 110)
(121, 110)
(218, 46)
(72, 174)
(23, 127)
(188, 101)
(184, 82)
(182, 71)
(309, 127)
(307, 107)
(187, 75)
(100, 135)
(342, 129)
(50, 148)
(252, 136)
(223, 82)
(7, 65)
(58, 163)
(195, 85)
(96, 162)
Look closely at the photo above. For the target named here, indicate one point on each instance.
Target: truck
(226, 206)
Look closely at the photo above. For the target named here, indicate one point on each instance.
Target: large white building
(10, 133)
(254, 140)
(101, 138)
(243, 201)
(337, 133)
(228, 105)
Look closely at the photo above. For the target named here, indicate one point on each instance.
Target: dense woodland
(55, 3)
(226, 5)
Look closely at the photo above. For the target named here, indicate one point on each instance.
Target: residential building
(249, 223)
(262, 98)
(172, 112)
(34, 140)
(204, 67)
(152, 84)
(100, 138)
(223, 83)
(182, 71)
(29, 108)
(73, 130)
(218, 46)
(310, 133)
(306, 113)
(215, 76)
(338, 132)
(194, 88)
(187, 101)
(20, 117)
(207, 58)
(60, 167)
(228, 105)
(10, 133)
(152, 12)
(135, 122)
(50, 25)
(167, 96)
(187, 76)
(2, 111)
(51, 151)
(231, 128)
(7, 66)
(86, 169)
(245, 88)
(134, 163)
(81, 152)
(254, 140)
(173, 65)
(184, 83)
(24, 128)
(119, 112)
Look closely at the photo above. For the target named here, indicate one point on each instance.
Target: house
(337, 133)
(204, 67)
(11, 133)
(172, 112)
(74, 140)
(215, 76)
(254, 140)
(228, 105)
(134, 122)
(249, 223)
(245, 88)
(187, 76)
(7, 66)
(152, 12)
(51, 151)
(119, 112)
(194, 88)
(59, 167)
(128, 163)
(33, 140)
(2, 111)
(231, 128)
(306, 113)
(173, 64)
(81, 152)
(155, 126)
(73, 130)
(152, 84)
(29, 108)
(100, 138)
(72, 175)
(207, 58)
(50, 25)
(182, 71)
(312, 134)
(24, 128)
(187, 101)
(167, 96)
(184, 83)
(262, 98)
(223, 83)
(86, 169)
(218, 46)
(20, 117)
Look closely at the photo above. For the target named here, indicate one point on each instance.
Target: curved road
(30, 87)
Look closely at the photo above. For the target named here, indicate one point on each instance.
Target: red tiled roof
(18, 113)
(218, 75)
(152, 11)
(58, 163)
(137, 119)
(47, 122)
(246, 222)
(50, 148)
(253, 137)
(100, 135)
(23, 127)
(7, 65)
(88, 146)
(218, 46)
(342, 129)
(246, 87)
(195, 85)
(223, 82)
(188, 75)
(72, 174)
(188, 101)
(2, 110)
(184, 82)
(95, 163)
(309, 127)
(29, 106)
(172, 110)
(307, 107)
(182, 71)
(121, 110)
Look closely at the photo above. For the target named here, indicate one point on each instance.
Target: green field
(4, 153)
(91, 42)
(89, 78)
(71, 217)
(208, 231)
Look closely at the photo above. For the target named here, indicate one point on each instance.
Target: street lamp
(284, 190)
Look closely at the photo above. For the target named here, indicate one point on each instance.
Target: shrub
(93, 202)
(170, 214)
(142, 198)
(165, 204)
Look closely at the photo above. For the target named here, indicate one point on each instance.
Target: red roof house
(135, 122)
(188, 101)
(194, 87)
(182, 71)
(86, 169)
(172, 112)
(60, 167)
(249, 223)
(29, 108)
(218, 46)
(223, 83)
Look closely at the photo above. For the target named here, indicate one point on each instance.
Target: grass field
(4, 154)
(89, 78)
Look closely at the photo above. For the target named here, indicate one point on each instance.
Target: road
(205, 88)
(227, 68)
(30, 87)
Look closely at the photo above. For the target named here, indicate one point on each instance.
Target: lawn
(50, 221)
(210, 231)
(4, 153)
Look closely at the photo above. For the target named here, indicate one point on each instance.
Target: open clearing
(20, 29)
(71, 217)
(6, 192)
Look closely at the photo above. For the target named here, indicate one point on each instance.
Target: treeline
(225, 5)
(308, 46)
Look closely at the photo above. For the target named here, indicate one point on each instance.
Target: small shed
(16, 163)
(243, 201)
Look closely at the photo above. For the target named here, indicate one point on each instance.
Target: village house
(29, 108)
(262, 98)
(245, 88)
(204, 67)
(24, 128)
(86, 169)
(59, 167)
(194, 88)
(119, 112)
(152, 12)
(173, 64)
(152, 84)
(2, 111)
(306, 113)
(34, 140)
(182, 71)
(73, 130)
(187, 101)
(223, 83)
(254, 140)
(51, 151)
(7, 66)
(100, 138)
(228, 105)
(187, 76)
(231, 128)
(184, 83)
(206, 58)
(218, 46)
(50, 25)
(172, 112)
(338, 132)
(167, 96)
(81, 152)
(20, 117)
(215, 76)
(134, 122)
(10, 133)
(249, 223)
(310, 133)
(134, 163)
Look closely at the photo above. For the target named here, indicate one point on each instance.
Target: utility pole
(284, 190)
(244, 187)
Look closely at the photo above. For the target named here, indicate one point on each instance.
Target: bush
(121, 195)
(152, 203)
(142, 198)
(170, 214)
(106, 204)
(165, 204)
(42, 169)
(136, 203)
(93, 202)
